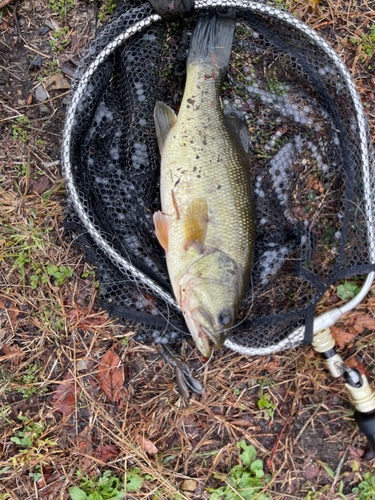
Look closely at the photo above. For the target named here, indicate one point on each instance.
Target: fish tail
(212, 40)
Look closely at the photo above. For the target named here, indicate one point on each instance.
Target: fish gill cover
(311, 168)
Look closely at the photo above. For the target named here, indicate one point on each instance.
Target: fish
(206, 224)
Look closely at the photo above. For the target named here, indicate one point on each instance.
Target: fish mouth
(203, 334)
(199, 334)
(202, 316)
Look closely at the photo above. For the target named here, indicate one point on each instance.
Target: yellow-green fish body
(207, 223)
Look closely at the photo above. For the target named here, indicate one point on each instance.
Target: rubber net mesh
(307, 165)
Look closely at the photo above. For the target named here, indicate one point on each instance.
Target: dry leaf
(240, 422)
(85, 447)
(86, 320)
(312, 471)
(40, 184)
(356, 364)
(111, 377)
(106, 452)
(10, 309)
(146, 445)
(188, 485)
(364, 321)
(65, 396)
(356, 453)
(14, 353)
(341, 337)
(56, 82)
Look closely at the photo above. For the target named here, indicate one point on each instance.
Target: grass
(365, 43)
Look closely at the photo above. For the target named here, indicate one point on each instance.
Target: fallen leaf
(56, 82)
(111, 377)
(40, 185)
(106, 452)
(273, 365)
(47, 477)
(82, 364)
(65, 396)
(14, 353)
(364, 321)
(85, 320)
(240, 422)
(341, 337)
(146, 445)
(188, 485)
(53, 491)
(85, 446)
(11, 311)
(312, 471)
(356, 453)
(356, 364)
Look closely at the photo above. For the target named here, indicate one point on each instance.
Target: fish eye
(224, 317)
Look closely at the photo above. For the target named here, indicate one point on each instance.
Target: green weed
(107, 8)
(32, 442)
(61, 6)
(59, 40)
(347, 291)
(366, 488)
(264, 402)
(18, 132)
(107, 487)
(365, 43)
(43, 273)
(23, 385)
(244, 482)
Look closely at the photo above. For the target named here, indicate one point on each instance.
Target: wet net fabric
(311, 168)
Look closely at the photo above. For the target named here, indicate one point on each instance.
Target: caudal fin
(212, 40)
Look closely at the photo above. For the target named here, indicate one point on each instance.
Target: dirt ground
(60, 420)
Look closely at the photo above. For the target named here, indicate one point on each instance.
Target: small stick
(309, 420)
(16, 20)
(269, 461)
(4, 3)
(338, 470)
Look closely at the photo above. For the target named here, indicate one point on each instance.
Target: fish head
(210, 295)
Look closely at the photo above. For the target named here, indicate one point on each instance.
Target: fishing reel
(361, 394)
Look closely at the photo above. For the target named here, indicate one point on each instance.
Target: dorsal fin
(164, 118)
(196, 222)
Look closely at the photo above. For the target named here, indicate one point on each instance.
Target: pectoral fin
(196, 221)
(161, 229)
(164, 118)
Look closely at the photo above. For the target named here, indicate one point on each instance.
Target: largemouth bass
(207, 222)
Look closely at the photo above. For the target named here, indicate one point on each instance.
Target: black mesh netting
(310, 167)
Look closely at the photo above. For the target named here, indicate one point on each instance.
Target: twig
(269, 461)
(37, 51)
(16, 20)
(309, 420)
(44, 102)
(338, 470)
(4, 3)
